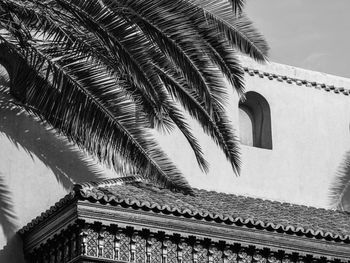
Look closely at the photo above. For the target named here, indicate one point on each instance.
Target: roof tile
(221, 207)
(225, 207)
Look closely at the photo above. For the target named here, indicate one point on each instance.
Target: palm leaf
(78, 86)
(89, 64)
(238, 29)
(341, 184)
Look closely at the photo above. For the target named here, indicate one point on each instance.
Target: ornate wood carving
(88, 243)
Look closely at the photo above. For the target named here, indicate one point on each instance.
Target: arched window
(255, 121)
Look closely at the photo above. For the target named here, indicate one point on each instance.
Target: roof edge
(296, 81)
(83, 191)
(295, 75)
(58, 206)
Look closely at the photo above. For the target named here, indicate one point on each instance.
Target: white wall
(37, 168)
(310, 133)
(310, 130)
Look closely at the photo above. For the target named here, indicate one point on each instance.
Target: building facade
(294, 126)
(128, 220)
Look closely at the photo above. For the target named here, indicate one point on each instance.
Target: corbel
(116, 243)
(66, 247)
(82, 237)
(60, 249)
(52, 254)
(227, 252)
(287, 259)
(242, 254)
(179, 250)
(196, 248)
(149, 243)
(73, 244)
(83, 242)
(257, 257)
(211, 252)
(300, 259)
(100, 242)
(52, 248)
(165, 250)
(133, 246)
(272, 258)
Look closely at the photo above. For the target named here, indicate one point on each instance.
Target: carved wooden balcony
(126, 220)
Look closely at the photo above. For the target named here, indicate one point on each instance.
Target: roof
(213, 206)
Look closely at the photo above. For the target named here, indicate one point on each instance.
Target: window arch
(255, 121)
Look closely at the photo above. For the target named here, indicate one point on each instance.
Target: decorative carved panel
(230, 256)
(244, 257)
(217, 255)
(202, 254)
(186, 253)
(140, 249)
(171, 252)
(126, 245)
(91, 242)
(108, 245)
(156, 251)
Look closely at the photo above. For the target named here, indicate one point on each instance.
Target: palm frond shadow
(13, 251)
(67, 163)
(340, 189)
(8, 218)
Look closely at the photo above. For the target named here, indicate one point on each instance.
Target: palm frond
(237, 28)
(176, 115)
(341, 184)
(174, 36)
(219, 128)
(101, 112)
(89, 64)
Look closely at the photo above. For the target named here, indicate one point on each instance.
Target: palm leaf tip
(340, 188)
(237, 5)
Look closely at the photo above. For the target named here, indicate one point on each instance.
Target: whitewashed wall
(310, 133)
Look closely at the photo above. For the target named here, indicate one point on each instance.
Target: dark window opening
(255, 121)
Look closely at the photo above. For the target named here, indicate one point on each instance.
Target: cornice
(300, 82)
(83, 211)
(58, 206)
(202, 229)
(71, 197)
(86, 192)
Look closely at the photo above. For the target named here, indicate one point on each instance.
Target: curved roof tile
(214, 206)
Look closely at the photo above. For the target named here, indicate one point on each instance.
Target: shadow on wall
(68, 164)
(340, 189)
(7, 216)
(12, 252)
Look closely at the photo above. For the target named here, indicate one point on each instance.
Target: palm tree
(83, 66)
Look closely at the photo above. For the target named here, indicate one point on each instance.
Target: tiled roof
(218, 207)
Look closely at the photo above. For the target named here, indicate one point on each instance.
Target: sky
(311, 34)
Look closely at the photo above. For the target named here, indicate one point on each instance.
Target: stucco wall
(37, 168)
(310, 131)
(310, 134)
